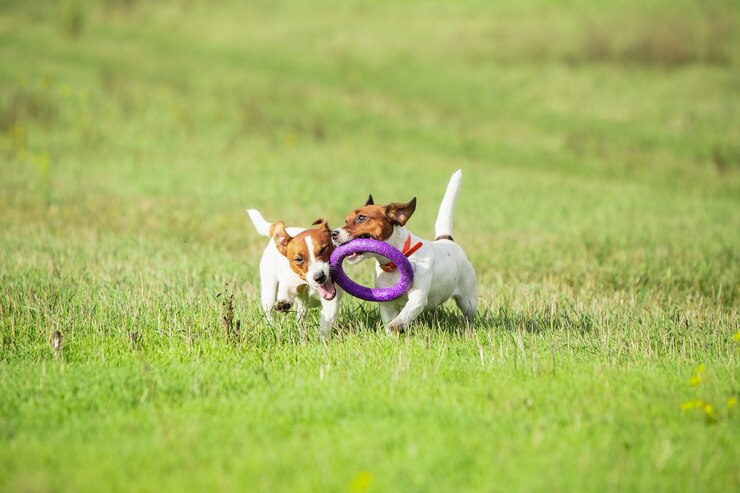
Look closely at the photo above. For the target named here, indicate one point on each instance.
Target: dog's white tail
(443, 226)
(260, 224)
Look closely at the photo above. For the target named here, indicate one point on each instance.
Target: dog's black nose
(320, 278)
(334, 234)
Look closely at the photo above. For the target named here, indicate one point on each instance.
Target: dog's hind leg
(466, 297)
(468, 305)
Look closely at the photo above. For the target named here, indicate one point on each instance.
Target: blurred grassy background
(579, 126)
(600, 143)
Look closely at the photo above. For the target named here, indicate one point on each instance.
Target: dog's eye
(298, 260)
(360, 218)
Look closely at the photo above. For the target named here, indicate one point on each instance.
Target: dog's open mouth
(327, 290)
(355, 256)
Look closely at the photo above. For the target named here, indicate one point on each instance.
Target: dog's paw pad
(282, 305)
(396, 328)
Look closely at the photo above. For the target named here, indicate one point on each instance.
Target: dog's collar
(408, 250)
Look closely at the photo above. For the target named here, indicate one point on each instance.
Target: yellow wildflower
(695, 380)
(731, 402)
(688, 405)
(736, 337)
(709, 412)
(700, 369)
(362, 481)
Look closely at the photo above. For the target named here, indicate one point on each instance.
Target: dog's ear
(370, 200)
(400, 213)
(321, 223)
(281, 237)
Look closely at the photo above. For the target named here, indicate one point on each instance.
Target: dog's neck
(396, 240)
(398, 237)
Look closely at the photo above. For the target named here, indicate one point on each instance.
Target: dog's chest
(308, 296)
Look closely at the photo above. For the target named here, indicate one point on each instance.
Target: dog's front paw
(282, 305)
(396, 328)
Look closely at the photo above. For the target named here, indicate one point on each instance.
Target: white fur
(260, 224)
(280, 285)
(441, 270)
(443, 225)
(315, 267)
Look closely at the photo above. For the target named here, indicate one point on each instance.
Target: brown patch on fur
(280, 236)
(377, 221)
(295, 248)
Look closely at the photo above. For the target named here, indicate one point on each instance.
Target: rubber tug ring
(361, 245)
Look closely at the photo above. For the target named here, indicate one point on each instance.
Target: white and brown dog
(441, 269)
(294, 270)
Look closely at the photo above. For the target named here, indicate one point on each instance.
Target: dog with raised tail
(294, 270)
(441, 268)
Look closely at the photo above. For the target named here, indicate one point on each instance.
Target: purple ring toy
(381, 248)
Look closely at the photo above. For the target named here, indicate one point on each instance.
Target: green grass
(601, 153)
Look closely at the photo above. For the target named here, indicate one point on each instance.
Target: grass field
(600, 145)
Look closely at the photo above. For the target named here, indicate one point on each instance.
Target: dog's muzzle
(340, 236)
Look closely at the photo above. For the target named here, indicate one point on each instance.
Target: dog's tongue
(327, 290)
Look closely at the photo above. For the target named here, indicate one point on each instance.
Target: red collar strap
(408, 251)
